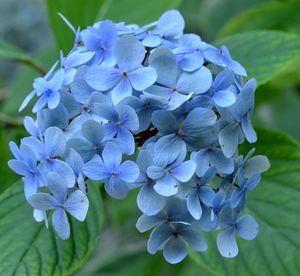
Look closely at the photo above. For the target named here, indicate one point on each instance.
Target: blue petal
(175, 250)
(149, 202)
(83, 147)
(226, 243)
(168, 148)
(129, 53)
(128, 117)
(74, 160)
(197, 82)
(194, 205)
(185, 171)
(57, 186)
(55, 142)
(145, 223)
(255, 165)
(27, 100)
(42, 101)
(127, 140)
(19, 167)
(128, 171)
(64, 170)
(96, 170)
(77, 205)
(53, 99)
(223, 80)
(61, 224)
(166, 186)
(191, 62)
(112, 156)
(103, 78)
(164, 62)
(248, 130)
(165, 122)
(229, 139)
(43, 201)
(116, 188)
(142, 78)
(207, 195)
(176, 100)
(224, 98)
(195, 240)
(155, 172)
(158, 237)
(247, 227)
(93, 132)
(171, 23)
(122, 90)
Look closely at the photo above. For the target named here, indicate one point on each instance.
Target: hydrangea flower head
(148, 108)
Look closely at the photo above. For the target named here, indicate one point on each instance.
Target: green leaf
(9, 51)
(283, 16)
(80, 13)
(28, 248)
(276, 206)
(135, 12)
(264, 54)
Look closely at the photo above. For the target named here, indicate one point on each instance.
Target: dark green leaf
(276, 206)
(80, 13)
(283, 16)
(28, 248)
(264, 54)
(9, 51)
(137, 12)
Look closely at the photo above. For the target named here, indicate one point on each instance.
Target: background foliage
(264, 35)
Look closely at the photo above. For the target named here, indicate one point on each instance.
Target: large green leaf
(137, 12)
(28, 248)
(9, 51)
(283, 16)
(80, 13)
(276, 206)
(265, 54)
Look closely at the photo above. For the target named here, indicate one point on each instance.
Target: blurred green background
(31, 35)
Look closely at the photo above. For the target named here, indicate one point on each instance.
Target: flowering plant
(147, 108)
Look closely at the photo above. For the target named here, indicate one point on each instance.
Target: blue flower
(75, 203)
(100, 39)
(222, 95)
(92, 141)
(144, 107)
(121, 122)
(235, 120)
(173, 240)
(74, 59)
(26, 165)
(210, 214)
(167, 175)
(212, 157)
(109, 168)
(197, 130)
(169, 27)
(245, 226)
(173, 84)
(74, 160)
(48, 91)
(49, 151)
(130, 74)
(239, 194)
(190, 52)
(198, 192)
(148, 200)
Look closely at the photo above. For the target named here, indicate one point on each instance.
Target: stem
(40, 69)
(8, 121)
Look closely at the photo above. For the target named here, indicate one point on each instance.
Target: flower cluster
(176, 104)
